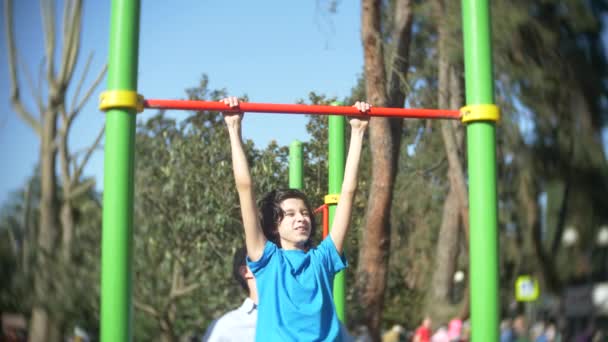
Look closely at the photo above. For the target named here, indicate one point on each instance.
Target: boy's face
(294, 228)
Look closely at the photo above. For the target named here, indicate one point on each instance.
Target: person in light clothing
(237, 325)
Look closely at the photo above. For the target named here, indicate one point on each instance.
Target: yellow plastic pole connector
(332, 198)
(123, 99)
(480, 112)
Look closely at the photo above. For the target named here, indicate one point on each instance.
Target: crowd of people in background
(455, 330)
(515, 329)
(518, 329)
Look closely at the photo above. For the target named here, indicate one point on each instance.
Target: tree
(55, 231)
(77, 292)
(187, 222)
(15, 225)
(455, 215)
(560, 157)
(384, 137)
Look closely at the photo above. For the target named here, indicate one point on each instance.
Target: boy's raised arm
(254, 236)
(342, 216)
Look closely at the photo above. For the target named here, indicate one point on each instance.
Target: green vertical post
(336, 161)
(481, 151)
(117, 233)
(296, 165)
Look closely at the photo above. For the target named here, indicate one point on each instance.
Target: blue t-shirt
(295, 293)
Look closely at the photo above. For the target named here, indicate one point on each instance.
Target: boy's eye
(305, 213)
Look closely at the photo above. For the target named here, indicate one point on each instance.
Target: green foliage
(550, 72)
(188, 221)
(76, 282)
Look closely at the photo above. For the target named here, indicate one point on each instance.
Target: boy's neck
(293, 247)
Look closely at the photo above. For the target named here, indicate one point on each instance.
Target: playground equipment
(121, 102)
(336, 155)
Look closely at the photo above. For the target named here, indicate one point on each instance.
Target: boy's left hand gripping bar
(121, 99)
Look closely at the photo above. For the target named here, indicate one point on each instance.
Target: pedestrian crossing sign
(526, 289)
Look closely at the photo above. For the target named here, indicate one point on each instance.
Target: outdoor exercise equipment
(121, 102)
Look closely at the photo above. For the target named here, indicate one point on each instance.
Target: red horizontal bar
(304, 109)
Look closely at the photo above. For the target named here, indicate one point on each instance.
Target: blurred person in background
(423, 332)
(238, 324)
(394, 334)
(441, 335)
(454, 329)
(520, 329)
(506, 331)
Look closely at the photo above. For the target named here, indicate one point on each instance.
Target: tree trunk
(67, 222)
(167, 333)
(446, 256)
(455, 208)
(455, 134)
(28, 231)
(58, 77)
(385, 138)
(375, 243)
(41, 325)
(67, 217)
(454, 138)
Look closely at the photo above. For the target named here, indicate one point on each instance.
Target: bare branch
(400, 57)
(146, 308)
(36, 94)
(41, 76)
(64, 156)
(73, 57)
(197, 273)
(81, 81)
(88, 154)
(71, 39)
(90, 91)
(81, 188)
(74, 163)
(67, 5)
(48, 18)
(83, 151)
(65, 118)
(183, 291)
(12, 67)
(175, 281)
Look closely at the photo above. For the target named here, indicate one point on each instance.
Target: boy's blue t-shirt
(295, 293)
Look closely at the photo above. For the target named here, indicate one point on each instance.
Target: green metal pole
(296, 165)
(336, 177)
(481, 150)
(117, 234)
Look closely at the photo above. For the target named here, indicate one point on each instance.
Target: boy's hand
(360, 121)
(234, 116)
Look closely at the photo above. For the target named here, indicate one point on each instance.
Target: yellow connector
(332, 199)
(124, 99)
(480, 112)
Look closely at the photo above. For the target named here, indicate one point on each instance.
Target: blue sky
(272, 52)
